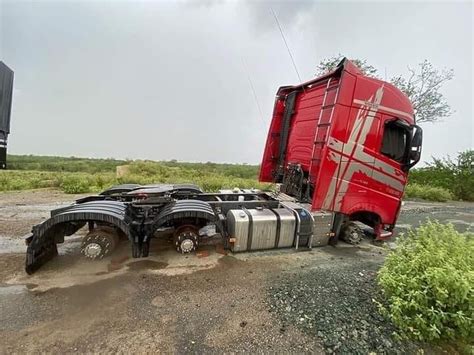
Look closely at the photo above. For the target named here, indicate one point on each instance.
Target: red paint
(375, 182)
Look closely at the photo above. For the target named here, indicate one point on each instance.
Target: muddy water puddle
(12, 245)
(25, 211)
(8, 290)
(146, 265)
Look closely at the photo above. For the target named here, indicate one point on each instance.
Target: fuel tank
(259, 229)
(264, 228)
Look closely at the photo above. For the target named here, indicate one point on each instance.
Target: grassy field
(80, 175)
(442, 180)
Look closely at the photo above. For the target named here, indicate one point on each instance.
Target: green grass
(441, 181)
(92, 166)
(11, 180)
(79, 175)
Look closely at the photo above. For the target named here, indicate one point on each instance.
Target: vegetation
(62, 164)
(427, 192)
(442, 180)
(456, 176)
(79, 175)
(87, 165)
(428, 282)
(69, 182)
(422, 86)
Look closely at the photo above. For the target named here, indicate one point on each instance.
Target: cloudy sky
(170, 80)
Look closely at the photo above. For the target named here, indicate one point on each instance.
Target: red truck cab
(344, 142)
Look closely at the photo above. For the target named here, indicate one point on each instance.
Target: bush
(75, 185)
(22, 180)
(428, 282)
(456, 176)
(427, 192)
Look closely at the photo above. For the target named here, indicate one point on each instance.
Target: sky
(168, 80)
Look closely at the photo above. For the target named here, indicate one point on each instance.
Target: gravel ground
(336, 304)
(264, 302)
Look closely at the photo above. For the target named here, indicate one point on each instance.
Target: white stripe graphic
(343, 155)
(387, 109)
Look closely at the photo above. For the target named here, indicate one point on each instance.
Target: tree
(422, 86)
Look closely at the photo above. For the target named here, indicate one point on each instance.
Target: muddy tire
(99, 243)
(351, 233)
(185, 239)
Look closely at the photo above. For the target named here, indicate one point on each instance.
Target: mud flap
(67, 221)
(38, 255)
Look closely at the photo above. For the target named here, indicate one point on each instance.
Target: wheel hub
(355, 237)
(187, 246)
(92, 250)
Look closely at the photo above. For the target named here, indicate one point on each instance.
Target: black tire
(351, 233)
(99, 243)
(186, 239)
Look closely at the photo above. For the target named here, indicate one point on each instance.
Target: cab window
(395, 140)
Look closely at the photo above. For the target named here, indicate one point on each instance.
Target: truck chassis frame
(137, 213)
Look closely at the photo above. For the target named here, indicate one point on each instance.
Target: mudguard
(185, 209)
(66, 221)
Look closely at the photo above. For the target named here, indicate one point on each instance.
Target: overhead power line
(286, 44)
(254, 92)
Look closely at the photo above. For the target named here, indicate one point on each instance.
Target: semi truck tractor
(339, 149)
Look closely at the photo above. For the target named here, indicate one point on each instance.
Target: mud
(166, 303)
(146, 265)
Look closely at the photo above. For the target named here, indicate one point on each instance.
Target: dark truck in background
(339, 149)
(6, 92)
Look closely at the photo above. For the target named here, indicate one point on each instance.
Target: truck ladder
(324, 123)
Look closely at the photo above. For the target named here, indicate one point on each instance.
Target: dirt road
(174, 303)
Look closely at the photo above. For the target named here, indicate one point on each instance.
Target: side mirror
(417, 139)
(414, 155)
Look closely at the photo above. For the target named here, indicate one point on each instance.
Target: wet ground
(460, 214)
(205, 302)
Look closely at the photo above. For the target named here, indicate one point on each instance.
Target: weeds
(428, 282)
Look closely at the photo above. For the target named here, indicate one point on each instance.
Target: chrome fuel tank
(238, 229)
(262, 229)
(287, 228)
(257, 229)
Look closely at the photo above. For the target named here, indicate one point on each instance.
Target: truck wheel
(186, 239)
(351, 233)
(99, 243)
